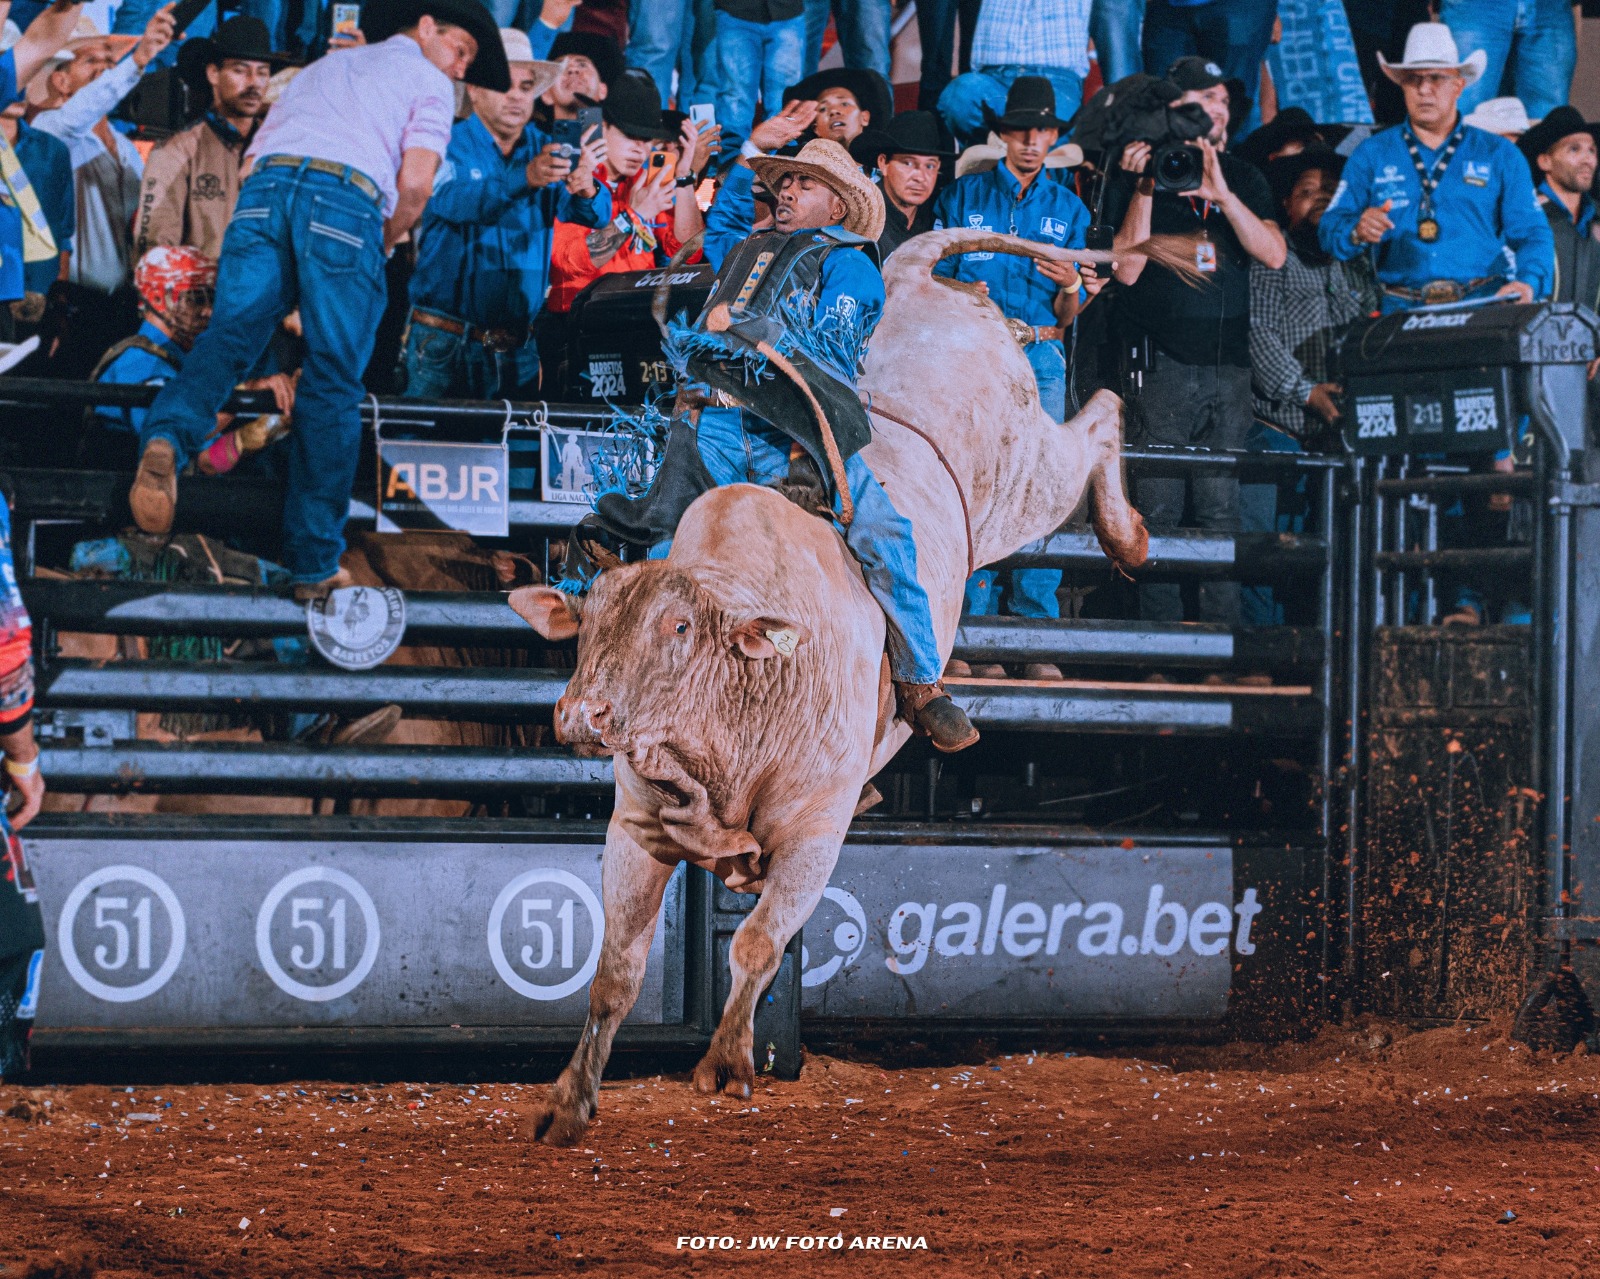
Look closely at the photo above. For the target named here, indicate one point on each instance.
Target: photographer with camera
(1187, 350)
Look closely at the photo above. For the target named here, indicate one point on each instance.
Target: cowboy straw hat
(1430, 46)
(982, 157)
(519, 52)
(830, 163)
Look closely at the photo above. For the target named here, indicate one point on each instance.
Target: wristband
(22, 770)
(687, 180)
(750, 150)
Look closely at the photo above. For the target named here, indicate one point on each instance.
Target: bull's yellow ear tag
(784, 641)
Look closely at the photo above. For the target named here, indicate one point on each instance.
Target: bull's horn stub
(783, 640)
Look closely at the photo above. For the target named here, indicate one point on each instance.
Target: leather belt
(1028, 334)
(354, 177)
(498, 340)
(1437, 292)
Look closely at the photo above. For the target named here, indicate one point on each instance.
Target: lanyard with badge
(1205, 251)
(1427, 223)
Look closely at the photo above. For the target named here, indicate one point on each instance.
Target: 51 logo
(545, 930)
(321, 924)
(121, 933)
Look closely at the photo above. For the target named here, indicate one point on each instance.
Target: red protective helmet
(168, 271)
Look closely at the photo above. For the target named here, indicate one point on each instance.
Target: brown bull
(741, 684)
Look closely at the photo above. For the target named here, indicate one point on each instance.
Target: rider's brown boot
(930, 709)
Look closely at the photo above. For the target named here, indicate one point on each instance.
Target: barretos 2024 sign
(210, 933)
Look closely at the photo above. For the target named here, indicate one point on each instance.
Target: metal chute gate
(1137, 850)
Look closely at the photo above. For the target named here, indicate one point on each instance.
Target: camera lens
(1178, 167)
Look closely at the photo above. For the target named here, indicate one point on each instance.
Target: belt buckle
(500, 341)
(1437, 292)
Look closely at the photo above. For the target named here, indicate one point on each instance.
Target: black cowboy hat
(909, 133)
(1030, 104)
(1292, 124)
(1286, 170)
(870, 90)
(1563, 122)
(381, 19)
(601, 50)
(240, 37)
(633, 104)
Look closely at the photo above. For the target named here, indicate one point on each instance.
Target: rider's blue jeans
(739, 448)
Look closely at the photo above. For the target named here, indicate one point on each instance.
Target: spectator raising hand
(780, 130)
(159, 32)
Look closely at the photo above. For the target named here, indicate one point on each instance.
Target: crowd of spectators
(609, 146)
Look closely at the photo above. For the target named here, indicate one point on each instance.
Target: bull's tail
(920, 254)
(1118, 527)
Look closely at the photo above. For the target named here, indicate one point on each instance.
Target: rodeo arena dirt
(829, 644)
(1370, 1150)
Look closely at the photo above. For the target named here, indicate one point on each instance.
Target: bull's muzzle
(581, 722)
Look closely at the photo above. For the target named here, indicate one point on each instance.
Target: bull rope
(966, 515)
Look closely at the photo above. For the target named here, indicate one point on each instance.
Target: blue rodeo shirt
(1049, 212)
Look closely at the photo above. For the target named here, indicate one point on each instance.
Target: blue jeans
(752, 56)
(936, 28)
(656, 29)
(740, 449)
(312, 241)
(1114, 26)
(699, 73)
(447, 366)
(1261, 511)
(962, 102)
(1033, 590)
(1533, 39)
(1232, 33)
(863, 27)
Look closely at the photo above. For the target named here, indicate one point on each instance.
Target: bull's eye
(682, 628)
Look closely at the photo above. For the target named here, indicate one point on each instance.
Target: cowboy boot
(928, 708)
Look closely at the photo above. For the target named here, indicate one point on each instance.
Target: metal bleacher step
(286, 768)
(156, 608)
(525, 695)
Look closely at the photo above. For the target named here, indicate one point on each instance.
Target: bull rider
(800, 300)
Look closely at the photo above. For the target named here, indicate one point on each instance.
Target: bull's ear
(552, 613)
(768, 637)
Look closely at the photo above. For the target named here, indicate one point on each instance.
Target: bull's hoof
(716, 1073)
(561, 1125)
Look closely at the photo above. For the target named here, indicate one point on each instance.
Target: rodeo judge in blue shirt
(483, 261)
(1039, 299)
(1448, 210)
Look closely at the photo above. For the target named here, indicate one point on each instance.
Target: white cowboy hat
(1500, 115)
(828, 162)
(1431, 47)
(520, 49)
(983, 156)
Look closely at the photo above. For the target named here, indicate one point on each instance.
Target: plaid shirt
(1033, 33)
(1297, 314)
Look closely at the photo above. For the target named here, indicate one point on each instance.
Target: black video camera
(1138, 108)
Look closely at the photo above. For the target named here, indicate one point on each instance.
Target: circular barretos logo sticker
(357, 627)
